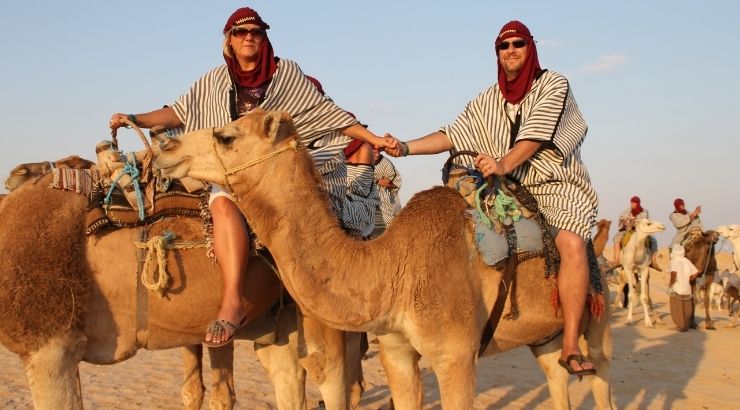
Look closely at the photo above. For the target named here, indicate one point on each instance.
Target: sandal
(580, 359)
(218, 328)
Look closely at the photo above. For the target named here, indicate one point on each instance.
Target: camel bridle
(291, 145)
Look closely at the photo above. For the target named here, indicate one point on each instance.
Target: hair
(227, 45)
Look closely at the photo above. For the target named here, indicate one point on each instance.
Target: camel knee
(53, 372)
(193, 390)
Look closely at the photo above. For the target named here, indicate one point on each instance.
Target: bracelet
(132, 118)
(406, 150)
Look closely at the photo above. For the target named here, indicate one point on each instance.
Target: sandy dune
(652, 369)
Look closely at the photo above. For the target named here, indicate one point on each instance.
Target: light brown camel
(193, 390)
(33, 170)
(66, 297)
(602, 236)
(427, 293)
(700, 251)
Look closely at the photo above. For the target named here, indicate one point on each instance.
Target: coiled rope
(157, 279)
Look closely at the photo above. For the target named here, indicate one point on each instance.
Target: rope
(293, 144)
(131, 169)
(504, 206)
(157, 249)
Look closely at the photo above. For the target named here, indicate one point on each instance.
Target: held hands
(487, 165)
(395, 147)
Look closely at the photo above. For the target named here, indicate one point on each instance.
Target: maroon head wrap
(316, 83)
(677, 204)
(266, 61)
(515, 89)
(638, 209)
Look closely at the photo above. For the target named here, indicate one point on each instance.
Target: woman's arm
(165, 117)
(433, 143)
(359, 132)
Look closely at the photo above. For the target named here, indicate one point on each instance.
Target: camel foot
(630, 323)
(711, 327)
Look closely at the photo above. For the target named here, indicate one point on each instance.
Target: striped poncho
(318, 122)
(555, 174)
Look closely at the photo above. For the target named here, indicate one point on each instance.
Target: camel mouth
(172, 168)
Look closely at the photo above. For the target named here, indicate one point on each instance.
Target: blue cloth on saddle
(492, 246)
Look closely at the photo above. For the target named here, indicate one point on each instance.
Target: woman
(252, 77)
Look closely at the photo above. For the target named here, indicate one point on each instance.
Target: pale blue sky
(655, 80)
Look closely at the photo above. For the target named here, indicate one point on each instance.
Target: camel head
(729, 231)
(649, 226)
(26, 172)
(208, 154)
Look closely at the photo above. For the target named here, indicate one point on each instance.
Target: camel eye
(225, 139)
(21, 172)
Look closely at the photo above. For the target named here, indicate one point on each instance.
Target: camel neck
(329, 273)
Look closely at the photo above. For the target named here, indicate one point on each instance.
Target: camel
(732, 233)
(193, 390)
(636, 258)
(602, 236)
(67, 297)
(699, 248)
(33, 170)
(427, 294)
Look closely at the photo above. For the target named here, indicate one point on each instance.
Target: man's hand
(394, 147)
(486, 164)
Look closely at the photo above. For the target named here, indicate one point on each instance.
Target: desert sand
(656, 368)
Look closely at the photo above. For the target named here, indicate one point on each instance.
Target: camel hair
(636, 257)
(421, 287)
(67, 297)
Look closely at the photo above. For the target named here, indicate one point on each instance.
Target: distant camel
(34, 170)
(700, 251)
(421, 287)
(636, 258)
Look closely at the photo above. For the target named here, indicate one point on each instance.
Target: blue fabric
(492, 246)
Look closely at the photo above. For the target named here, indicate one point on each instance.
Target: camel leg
(53, 372)
(401, 364)
(322, 354)
(287, 376)
(223, 395)
(709, 279)
(355, 378)
(632, 295)
(547, 357)
(645, 297)
(456, 372)
(193, 390)
(599, 348)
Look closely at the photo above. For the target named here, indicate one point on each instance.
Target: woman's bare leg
(231, 246)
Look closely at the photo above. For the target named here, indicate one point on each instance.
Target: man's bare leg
(572, 287)
(231, 246)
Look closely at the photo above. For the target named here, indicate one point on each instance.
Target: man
(683, 221)
(627, 221)
(389, 182)
(528, 125)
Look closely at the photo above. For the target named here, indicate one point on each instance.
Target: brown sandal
(218, 328)
(580, 359)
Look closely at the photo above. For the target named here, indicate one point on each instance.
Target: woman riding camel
(253, 77)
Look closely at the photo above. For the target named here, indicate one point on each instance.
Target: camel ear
(278, 126)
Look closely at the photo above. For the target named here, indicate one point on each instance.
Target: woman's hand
(395, 147)
(115, 121)
(487, 165)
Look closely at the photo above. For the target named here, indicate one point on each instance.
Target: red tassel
(555, 297)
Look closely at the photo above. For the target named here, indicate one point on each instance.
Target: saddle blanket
(493, 246)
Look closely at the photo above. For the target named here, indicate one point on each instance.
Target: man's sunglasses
(504, 45)
(241, 32)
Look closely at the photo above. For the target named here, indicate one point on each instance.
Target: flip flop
(580, 359)
(218, 328)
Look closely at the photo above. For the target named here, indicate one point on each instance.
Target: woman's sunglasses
(504, 45)
(241, 32)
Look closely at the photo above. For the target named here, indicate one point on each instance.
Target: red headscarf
(638, 209)
(515, 89)
(677, 205)
(266, 61)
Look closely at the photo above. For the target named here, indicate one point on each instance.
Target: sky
(655, 80)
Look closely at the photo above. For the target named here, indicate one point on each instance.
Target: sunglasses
(242, 33)
(516, 43)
